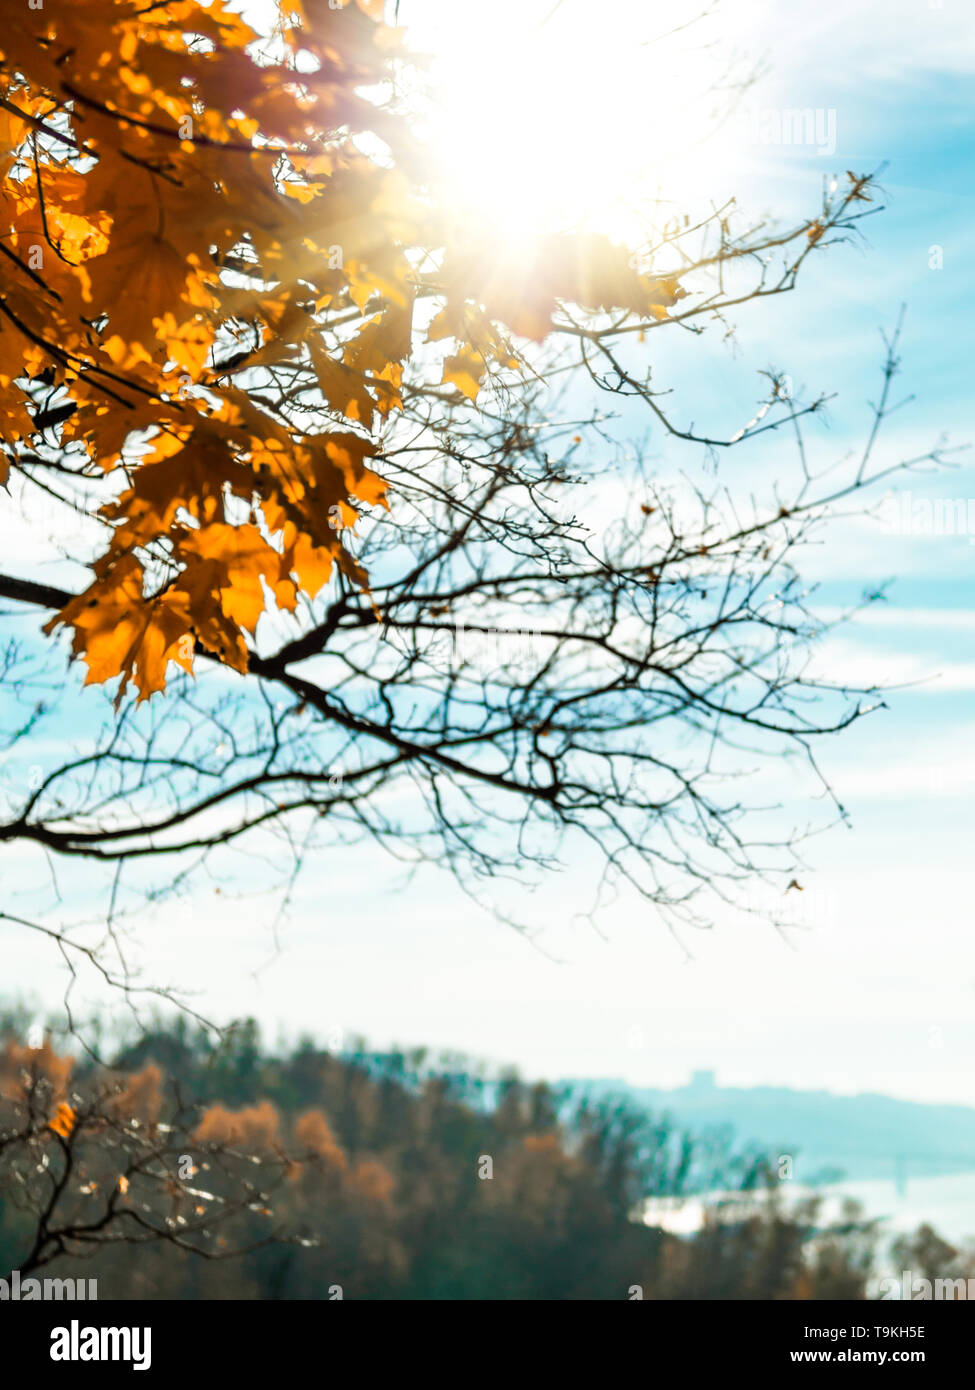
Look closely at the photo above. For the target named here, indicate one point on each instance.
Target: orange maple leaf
(64, 1120)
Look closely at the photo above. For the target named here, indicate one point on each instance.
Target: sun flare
(551, 117)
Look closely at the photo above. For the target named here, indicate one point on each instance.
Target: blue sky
(877, 992)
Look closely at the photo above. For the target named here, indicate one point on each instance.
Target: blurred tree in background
(377, 1176)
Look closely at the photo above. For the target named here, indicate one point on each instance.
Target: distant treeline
(863, 1136)
(429, 1186)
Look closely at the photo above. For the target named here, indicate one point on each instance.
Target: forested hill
(394, 1183)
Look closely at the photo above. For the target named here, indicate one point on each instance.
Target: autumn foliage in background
(313, 1172)
(100, 1158)
(208, 292)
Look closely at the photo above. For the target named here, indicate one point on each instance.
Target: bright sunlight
(550, 116)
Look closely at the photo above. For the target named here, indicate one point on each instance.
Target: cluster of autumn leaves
(186, 210)
(119, 1124)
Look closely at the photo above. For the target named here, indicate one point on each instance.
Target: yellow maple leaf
(119, 633)
(465, 370)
